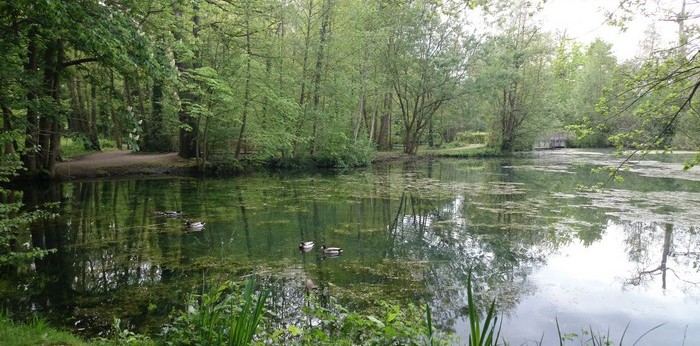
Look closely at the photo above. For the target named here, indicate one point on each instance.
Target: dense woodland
(330, 81)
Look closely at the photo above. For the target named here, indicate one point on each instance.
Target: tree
(13, 219)
(595, 80)
(517, 77)
(426, 68)
(53, 38)
(662, 92)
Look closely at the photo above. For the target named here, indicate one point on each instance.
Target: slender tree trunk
(384, 136)
(154, 138)
(190, 131)
(55, 119)
(74, 120)
(373, 121)
(246, 99)
(116, 119)
(128, 100)
(45, 128)
(325, 18)
(304, 71)
(32, 131)
(92, 120)
(682, 34)
(10, 146)
(358, 117)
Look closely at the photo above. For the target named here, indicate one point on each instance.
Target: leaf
(376, 321)
(296, 331)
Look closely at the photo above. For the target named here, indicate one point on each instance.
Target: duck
(170, 213)
(310, 285)
(306, 246)
(195, 226)
(331, 251)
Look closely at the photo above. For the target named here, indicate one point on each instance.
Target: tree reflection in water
(411, 233)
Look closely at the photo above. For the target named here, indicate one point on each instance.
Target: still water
(543, 246)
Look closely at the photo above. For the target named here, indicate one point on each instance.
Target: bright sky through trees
(584, 21)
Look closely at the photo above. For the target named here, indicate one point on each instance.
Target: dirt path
(121, 163)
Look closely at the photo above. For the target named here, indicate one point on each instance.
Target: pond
(547, 249)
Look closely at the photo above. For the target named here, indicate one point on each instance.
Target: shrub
(335, 325)
(221, 317)
(472, 137)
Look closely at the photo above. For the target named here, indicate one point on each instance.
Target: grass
(38, 332)
(468, 151)
(35, 333)
(71, 148)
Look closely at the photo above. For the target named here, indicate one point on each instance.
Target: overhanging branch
(79, 61)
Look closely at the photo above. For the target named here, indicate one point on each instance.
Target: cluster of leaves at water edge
(219, 317)
(223, 317)
(332, 324)
(13, 219)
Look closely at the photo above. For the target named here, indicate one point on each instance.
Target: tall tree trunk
(116, 119)
(128, 100)
(155, 138)
(373, 121)
(384, 135)
(682, 34)
(246, 99)
(92, 120)
(304, 71)
(75, 119)
(10, 146)
(32, 131)
(49, 129)
(189, 130)
(325, 18)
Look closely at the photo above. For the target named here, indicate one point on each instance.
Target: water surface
(534, 240)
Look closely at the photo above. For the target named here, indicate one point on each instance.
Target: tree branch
(79, 61)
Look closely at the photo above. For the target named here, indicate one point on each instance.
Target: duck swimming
(331, 251)
(306, 246)
(170, 213)
(195, 226)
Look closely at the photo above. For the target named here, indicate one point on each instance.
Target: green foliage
(481, 334)
(221, 317)
(470, 152)
(122, 336)
(472, 137)
(341, 153)
(14, 252)
(333, 324)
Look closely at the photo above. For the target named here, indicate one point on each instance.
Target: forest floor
(122, 163)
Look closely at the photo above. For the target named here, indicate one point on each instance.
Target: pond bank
(123, 163)
(127, 164)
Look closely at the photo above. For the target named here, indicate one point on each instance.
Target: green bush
(14, 249)
(472, 137)
(221, 317)
(333, 324)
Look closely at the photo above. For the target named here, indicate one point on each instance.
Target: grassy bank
(469, 151)
(34, 333)
(37, 332)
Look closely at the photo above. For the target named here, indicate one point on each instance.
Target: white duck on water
(306, 246)
(331, 251)
(195, 226)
